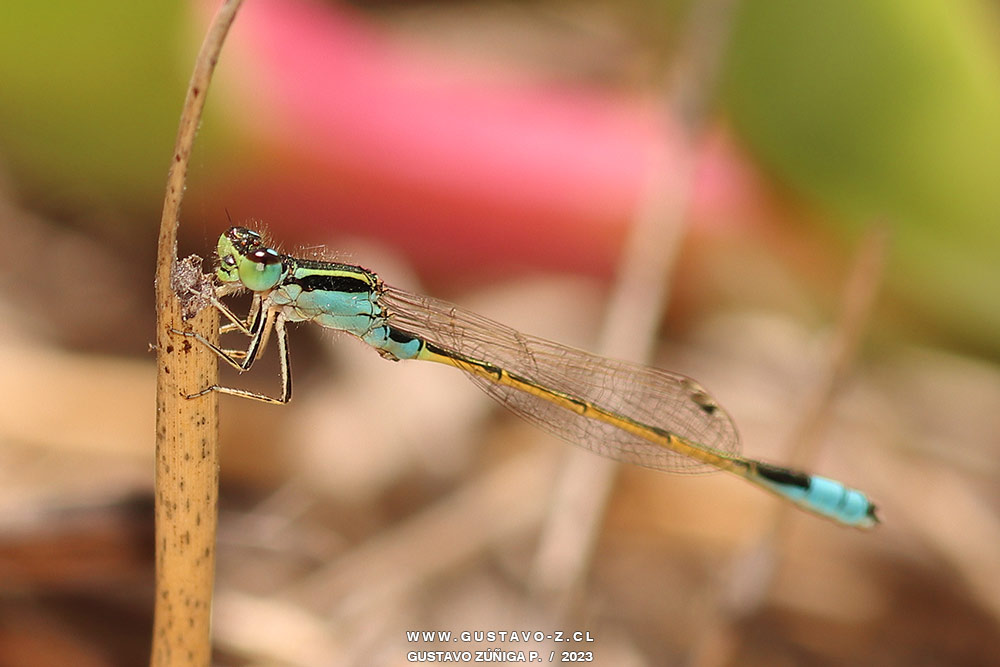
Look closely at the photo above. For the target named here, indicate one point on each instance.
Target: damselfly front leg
(260, 321)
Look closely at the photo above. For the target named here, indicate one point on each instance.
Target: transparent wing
(653, 397)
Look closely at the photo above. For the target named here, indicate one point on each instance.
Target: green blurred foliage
(886, 108)
(90, 94)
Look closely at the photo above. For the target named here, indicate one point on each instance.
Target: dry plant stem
(187, 463)
(753, 571)
(857, 302)
(586, 481)
(585, 484)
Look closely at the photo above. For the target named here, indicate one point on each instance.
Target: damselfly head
(243, 258)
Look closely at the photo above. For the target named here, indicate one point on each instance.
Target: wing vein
(657, 398)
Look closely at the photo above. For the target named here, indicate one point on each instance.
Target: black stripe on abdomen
(783, 475)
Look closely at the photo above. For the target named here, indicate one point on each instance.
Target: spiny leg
(238, 359)
(245, 327)
(248, 327)
(235, 358)
(236, 323)
(258, 331)
(286, 376)
(258, 326)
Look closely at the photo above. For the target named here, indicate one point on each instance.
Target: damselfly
(624, 411)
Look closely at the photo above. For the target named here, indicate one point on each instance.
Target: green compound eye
(260, 270)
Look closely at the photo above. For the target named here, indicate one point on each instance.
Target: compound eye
(265, 256)
(261, 269)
